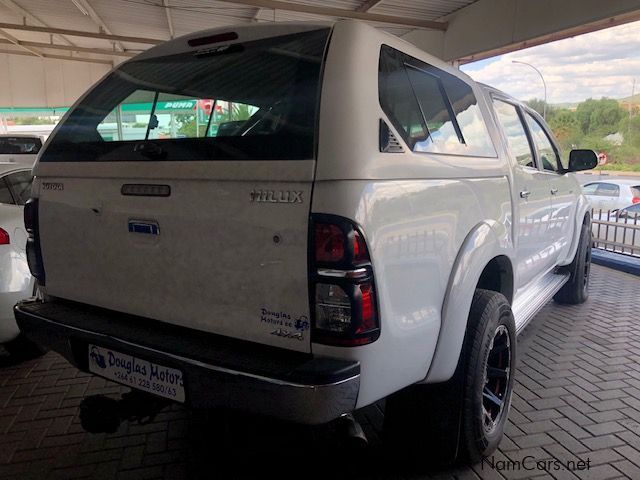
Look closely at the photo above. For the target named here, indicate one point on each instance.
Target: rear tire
(462, 419)
(490, 346)
(576, 290)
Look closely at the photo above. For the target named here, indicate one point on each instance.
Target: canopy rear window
(255, 100)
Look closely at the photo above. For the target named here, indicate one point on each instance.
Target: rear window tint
(547, 154)
(20, 184)
(635, 191)
(515, 133)
(608, 190)
(248, 101)
(5, 193)
(20, 145)
(634, 209)
(433, 110)
(601, 189)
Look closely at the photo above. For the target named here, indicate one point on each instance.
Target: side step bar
(527, 305)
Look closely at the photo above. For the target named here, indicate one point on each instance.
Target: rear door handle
(525, 194)
(554, 191)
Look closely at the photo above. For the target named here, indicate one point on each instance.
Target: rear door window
(516, 135)
(433, 110)
(255, 100)
(547, 154)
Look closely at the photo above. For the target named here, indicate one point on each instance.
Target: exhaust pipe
(352, 430)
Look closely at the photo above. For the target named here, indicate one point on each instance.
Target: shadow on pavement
(248, 447)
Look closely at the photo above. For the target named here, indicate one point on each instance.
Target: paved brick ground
(577, 398)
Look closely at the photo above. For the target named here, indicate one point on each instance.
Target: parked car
(618, 230)
(631, 212)
(19, 148)
(628, 213)
(612, 194)
(16, 281)
(379, 226)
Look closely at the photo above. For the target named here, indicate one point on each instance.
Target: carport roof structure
(51, 51)
(104, 31)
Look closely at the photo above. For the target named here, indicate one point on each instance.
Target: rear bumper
(217, 371)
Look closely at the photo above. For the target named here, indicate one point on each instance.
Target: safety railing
(616, 231)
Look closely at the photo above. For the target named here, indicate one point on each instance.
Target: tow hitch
(99, 413)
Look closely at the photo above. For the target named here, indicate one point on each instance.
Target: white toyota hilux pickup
(299, 220)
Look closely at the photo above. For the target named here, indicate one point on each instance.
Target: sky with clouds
(593, 65)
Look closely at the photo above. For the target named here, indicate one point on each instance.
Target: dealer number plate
(136, 373)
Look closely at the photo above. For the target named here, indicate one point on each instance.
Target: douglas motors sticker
(285, 325)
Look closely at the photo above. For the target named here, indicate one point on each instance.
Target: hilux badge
(52, 186)
(275, 196)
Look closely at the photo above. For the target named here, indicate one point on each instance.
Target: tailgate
(218, 255)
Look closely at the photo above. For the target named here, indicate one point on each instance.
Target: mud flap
(423, 422)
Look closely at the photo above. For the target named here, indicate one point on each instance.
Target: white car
(612, 194)
(16, 281)
(19, 148)
(379, 225)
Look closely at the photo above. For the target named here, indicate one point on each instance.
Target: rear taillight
(360, 252)
(4, 237)
(635, 200)
(329, 243)
(342, 288)
(34, 254)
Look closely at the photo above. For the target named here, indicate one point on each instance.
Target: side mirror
(582, 160)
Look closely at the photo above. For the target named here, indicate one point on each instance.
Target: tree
(596, 143)
(539, 106)
(241, 111)
(564, 125)
(599, 117)
(630, 129)
(186, 124)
